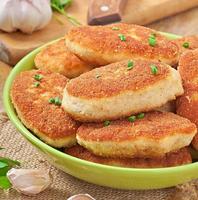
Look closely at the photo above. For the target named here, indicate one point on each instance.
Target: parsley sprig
(5, 165)
(60, 6)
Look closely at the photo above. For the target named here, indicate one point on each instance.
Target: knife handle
(102, 12)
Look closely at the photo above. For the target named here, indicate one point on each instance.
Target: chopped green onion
(132, 118)
(57, 101)
(186, 45)
(51, 100)
(154, 69)
(36, 84)
(130, 65)
(107, 123)
(140, 116)
(122, 37)
(115, 28)
(152, 40)
(38, 77)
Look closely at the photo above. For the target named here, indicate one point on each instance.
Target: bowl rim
(42, 145)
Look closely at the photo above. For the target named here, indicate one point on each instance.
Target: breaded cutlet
(187, 104)
(188, 68)
(187, 43)
(177, 158)
(117, 90)
(152, 135)
(57, 58)
(36, 96)
(102, 45)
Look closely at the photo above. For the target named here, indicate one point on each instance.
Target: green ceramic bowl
(115, 177)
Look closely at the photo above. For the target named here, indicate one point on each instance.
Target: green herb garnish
(38, 77)
(57, 101)
(36, 84)
(140, 116)
(1, 148)
(115, 28)
(154, 69)
(132, 118)
(60, 6)
(186, 45)
(51, 100)
(130, 65)
(107, 123)
(122, 37)
(152, 40)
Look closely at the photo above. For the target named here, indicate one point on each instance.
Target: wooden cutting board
(13, 46)
(4, 71)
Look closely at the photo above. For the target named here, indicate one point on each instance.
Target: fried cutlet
(187, 104)
(115, 90)
(102, 45)
(177, 158)
(188, 68)
(153, 135)
(57, 58)
(36, 96)
(187, 43)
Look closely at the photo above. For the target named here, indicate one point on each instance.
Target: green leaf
(66, 3)
(2, 165)
(4, 182)
(1, 148)
(11, 163)
(60, 5)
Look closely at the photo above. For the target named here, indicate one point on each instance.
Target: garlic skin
(24, 15)
(29, 181)
(81, 197)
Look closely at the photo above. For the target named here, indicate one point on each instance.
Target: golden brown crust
(102, 40)
(187, 104)
(115, 78)
(180, 157)
(32, 104)
(191, 40)
(188, 67)
(57, 58)
(155, 125)
(195, 142)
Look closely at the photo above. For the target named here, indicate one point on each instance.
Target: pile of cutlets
(121, 95)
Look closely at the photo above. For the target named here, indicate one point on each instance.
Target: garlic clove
(29, 181)
(5, 19)
(81, 197)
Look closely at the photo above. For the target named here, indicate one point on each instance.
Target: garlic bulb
(29, 181)
(24, 15)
